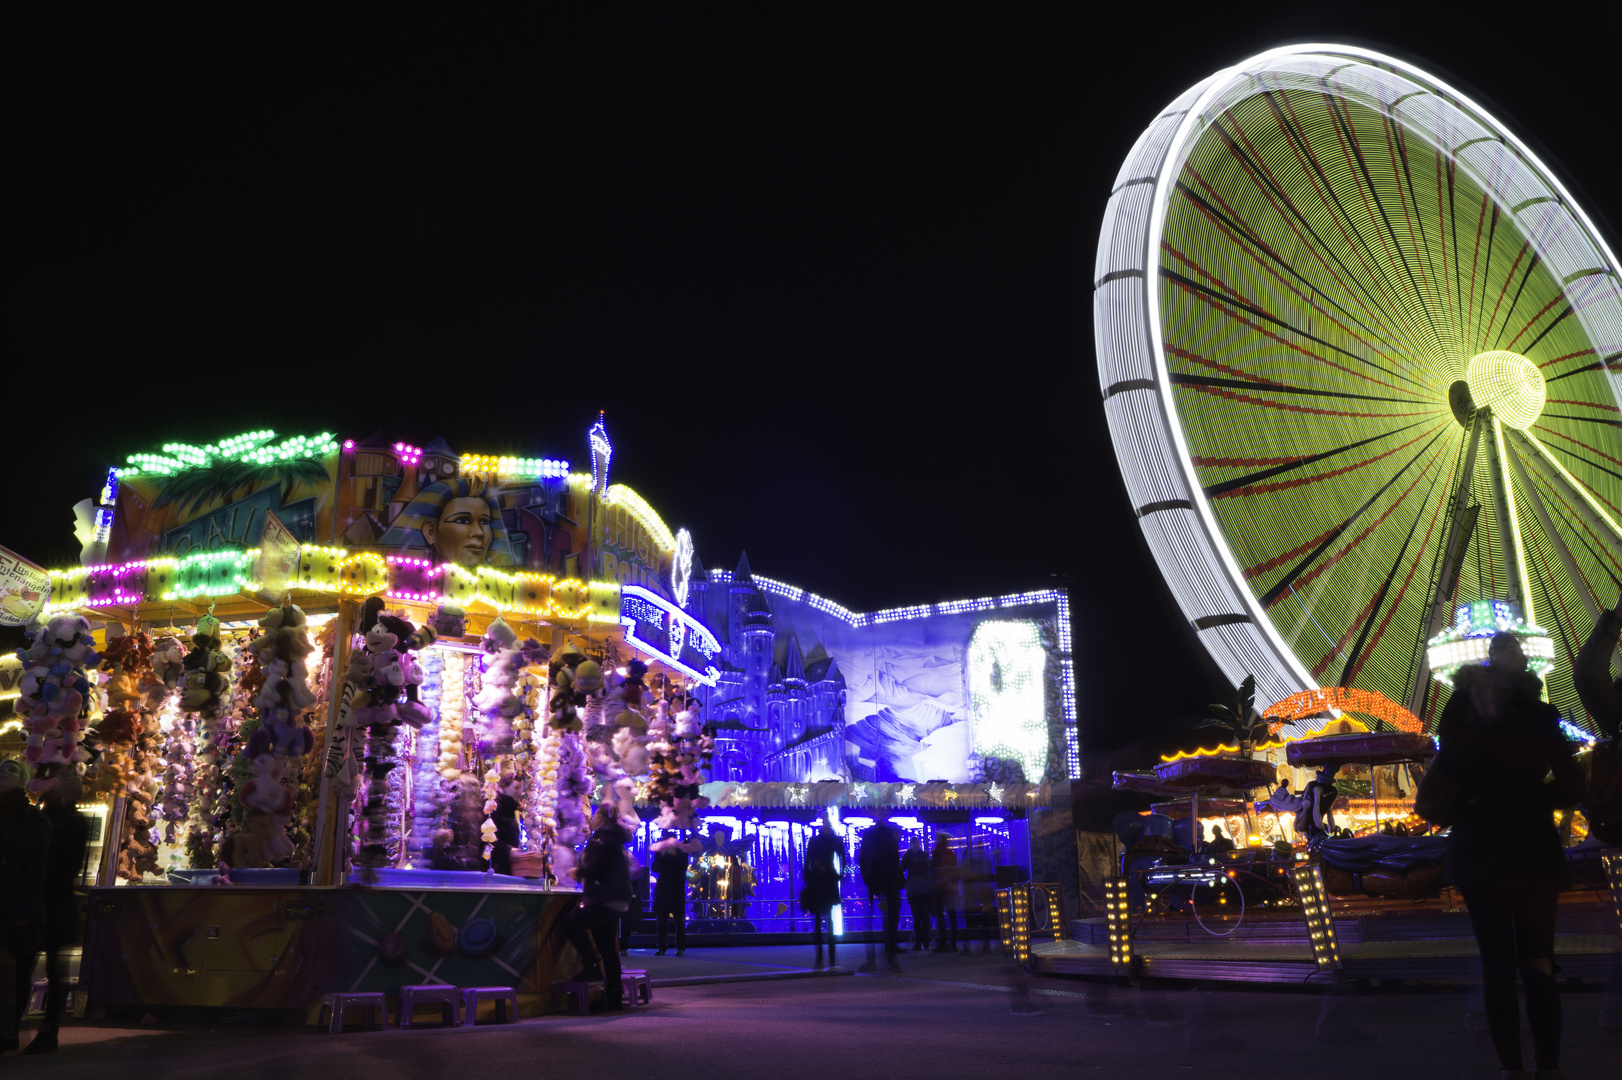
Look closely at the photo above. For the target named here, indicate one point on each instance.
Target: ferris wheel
(1355, 345)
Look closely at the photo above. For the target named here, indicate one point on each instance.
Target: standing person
(943, 864)
(1499, 741)
(605, 877)
(824, 868)
(25, 844)
(920, 892)
(880, 860)
(70, 833)
(632, 919)
(1219, 840)
(670, 891)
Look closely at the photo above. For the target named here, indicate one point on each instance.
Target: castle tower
(797, 706)
(755, 638)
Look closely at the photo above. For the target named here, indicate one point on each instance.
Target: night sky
(829, 276)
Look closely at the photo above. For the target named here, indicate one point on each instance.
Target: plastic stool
(428, 994)
(580, 991)
(505, 997)
(638, 988)
(365, 1001)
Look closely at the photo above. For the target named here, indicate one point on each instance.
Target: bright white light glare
(1509, 384)
(988, 821)
(836, 919)
(1007, 698)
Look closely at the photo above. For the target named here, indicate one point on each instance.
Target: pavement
(944, 1016)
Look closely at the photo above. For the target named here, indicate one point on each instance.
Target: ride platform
(1378, 941)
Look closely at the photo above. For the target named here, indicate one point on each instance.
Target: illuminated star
(995, 791)
(796, 794)
(951, 795)
(908, 792)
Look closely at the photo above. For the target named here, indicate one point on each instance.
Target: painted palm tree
(1237, 718)
(223, 480)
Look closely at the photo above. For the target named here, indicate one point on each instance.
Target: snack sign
(24, 588)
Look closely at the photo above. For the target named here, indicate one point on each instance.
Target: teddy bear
(266, 791)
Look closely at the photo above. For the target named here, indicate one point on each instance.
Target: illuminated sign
(1006, 666)
(655, 625)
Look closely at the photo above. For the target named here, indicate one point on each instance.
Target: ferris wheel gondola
(1355, 344)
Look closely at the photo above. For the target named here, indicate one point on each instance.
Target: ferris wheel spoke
(1370, 194)
(1217, 299)
(1349, 675)
(1319, 246)
(1247, 485)
(1330, 196)
(1271, 596)
(1232, 225)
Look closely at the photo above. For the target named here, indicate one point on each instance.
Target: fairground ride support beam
(1542, 512)
(1580, 500)
(1454, 545)
(1509, 533)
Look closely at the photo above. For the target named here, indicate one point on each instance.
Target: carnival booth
(346, 707)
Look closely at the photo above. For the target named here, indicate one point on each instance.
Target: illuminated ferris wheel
(1355, 345)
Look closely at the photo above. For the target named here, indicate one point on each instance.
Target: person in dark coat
(1501, 741)
(943, 866)
(920, 892)
(505, 819)
(824, 867)
(604, 874)
(25, 845)
(670, 858)
(1601, 695)
(64, 866)
(880, 860)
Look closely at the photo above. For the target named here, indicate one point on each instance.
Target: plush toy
(54, 688)
(202, 677)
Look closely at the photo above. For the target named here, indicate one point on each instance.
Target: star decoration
(951, 794)
(995, 791)
(796, 794)
(908, 792)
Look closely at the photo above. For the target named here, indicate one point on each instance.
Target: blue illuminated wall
(969, 691)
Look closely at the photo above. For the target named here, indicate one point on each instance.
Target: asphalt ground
(944, 1016)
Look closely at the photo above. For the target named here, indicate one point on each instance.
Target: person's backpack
(1602, 804)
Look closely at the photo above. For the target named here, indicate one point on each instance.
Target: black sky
(827, 272)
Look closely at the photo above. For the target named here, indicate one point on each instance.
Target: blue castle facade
(778, 715)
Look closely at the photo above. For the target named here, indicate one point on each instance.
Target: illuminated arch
(1344, 699)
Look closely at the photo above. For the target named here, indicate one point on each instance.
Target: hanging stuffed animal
(202, 670)
(55, 689)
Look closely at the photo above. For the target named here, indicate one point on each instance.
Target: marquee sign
(655, 625)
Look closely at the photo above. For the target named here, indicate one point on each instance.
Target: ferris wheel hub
(1509, 384)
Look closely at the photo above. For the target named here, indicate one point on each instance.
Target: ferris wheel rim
(1290, 670)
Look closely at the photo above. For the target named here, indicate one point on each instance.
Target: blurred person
(64, 866)
(1219, 840)
(920, 892)
(879, 857)
(978, 874)
(605, 877)
(824, 864)
(670, 857)
(1499, 741)
(25, 846)
(943, 865)
(632, 919)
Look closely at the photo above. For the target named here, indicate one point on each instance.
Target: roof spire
(601, 451)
